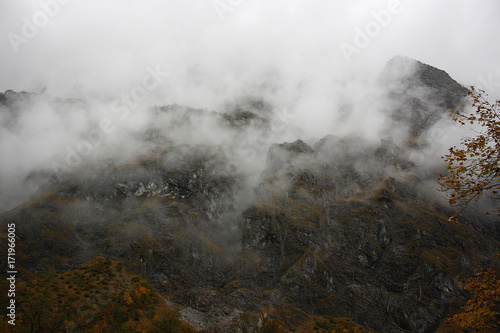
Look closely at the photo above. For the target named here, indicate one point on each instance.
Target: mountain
(420, 93)
(343, 227)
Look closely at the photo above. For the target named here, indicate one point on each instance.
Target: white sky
(103, 47)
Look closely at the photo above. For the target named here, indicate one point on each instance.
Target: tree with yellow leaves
(482, 311)
(474, 168)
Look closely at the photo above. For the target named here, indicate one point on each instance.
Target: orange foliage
(127, 298)
(144, 326)
(481, 313)
(272, 326)
(141, 290)
(474, 168)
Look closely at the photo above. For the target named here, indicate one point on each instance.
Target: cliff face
(420, 94)
(341, 228)
(341, 234)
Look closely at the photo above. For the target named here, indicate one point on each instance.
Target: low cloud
(92, 63)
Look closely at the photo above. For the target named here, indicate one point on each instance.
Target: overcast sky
(314, 61)
(210, 47)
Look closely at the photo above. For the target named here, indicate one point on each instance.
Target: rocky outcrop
(365, 243)
(421, 94)
(204, 177)
(11, 105)
(341, 227)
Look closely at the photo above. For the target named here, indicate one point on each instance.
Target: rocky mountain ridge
(342, 227)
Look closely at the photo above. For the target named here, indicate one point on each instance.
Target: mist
(100, 71)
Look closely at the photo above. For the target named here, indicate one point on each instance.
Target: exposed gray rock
(341, 228)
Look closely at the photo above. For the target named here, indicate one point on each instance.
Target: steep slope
(342, 227)
(99, 296)
(420, 94)
(342, 236)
